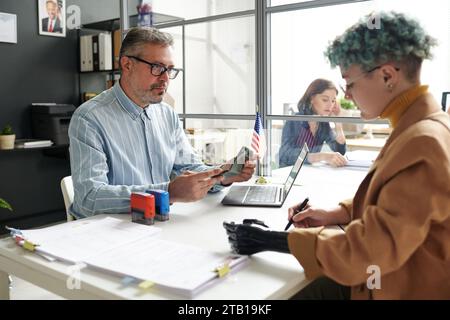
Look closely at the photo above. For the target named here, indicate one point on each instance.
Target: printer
(51, 121)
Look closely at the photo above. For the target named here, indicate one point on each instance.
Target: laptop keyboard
(261, 194)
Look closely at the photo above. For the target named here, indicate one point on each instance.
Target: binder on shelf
(132, 251)
(86, 63)
(105, 51)
(95, 53)
(117, 43)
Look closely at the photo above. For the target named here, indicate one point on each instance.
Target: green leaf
(346, 104)
(7, 130)
(5, 205)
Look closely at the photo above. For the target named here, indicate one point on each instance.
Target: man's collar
(127, 104)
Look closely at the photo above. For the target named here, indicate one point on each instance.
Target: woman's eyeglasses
(348, 86)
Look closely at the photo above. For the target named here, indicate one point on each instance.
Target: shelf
(114, 24)
(105, 71)
(55, 151)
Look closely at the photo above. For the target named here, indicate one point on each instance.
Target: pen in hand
(300, 208)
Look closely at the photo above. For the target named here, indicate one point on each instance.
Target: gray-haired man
(127, 140)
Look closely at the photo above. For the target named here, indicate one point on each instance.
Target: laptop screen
(295, 169)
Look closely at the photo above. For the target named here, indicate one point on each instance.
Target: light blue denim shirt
(117, 147)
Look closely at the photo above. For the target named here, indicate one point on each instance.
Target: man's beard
(149, 98)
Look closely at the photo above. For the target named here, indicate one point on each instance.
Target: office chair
(67, 191)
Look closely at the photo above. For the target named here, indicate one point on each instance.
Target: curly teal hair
(397, 38)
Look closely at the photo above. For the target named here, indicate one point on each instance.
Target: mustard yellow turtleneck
(398, 106)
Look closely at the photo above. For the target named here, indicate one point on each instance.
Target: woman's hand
(309, 217)
(334, 159)
(315, 217)
(336, 110)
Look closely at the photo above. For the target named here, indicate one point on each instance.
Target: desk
(374, 144)
(276, 275)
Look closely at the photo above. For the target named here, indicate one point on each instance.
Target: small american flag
(258, 140)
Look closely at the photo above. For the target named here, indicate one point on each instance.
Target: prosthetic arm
(247, 239)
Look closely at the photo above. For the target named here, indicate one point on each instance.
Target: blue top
(296, 133)
(117, 147)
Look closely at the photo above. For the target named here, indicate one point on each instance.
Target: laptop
(265, 196)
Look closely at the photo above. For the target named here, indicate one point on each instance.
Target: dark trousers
(323, 289)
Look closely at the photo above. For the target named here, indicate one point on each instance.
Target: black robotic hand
(247, 239)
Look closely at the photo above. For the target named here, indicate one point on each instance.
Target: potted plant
(5, 205)
(347, 105)
(7, 138)
(349, 109)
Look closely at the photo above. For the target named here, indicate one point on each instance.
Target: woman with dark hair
(319, 99)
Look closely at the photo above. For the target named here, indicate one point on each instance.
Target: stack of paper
(81, 239)
(133, 250)
(32, 143)
(361, 158)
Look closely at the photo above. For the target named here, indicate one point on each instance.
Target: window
(219, 59)
(201, 8)
(274, 3)
(298, 38)
(310, 31)
(220, 67)
(175, 95)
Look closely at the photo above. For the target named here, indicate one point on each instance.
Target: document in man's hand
(133, 250)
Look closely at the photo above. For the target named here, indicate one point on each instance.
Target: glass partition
(218, 140)
(174, 95)
(299, 38)
(220, 67)
(362, 142)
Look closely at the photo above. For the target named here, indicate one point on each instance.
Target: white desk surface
(269, 275)
(375, 144)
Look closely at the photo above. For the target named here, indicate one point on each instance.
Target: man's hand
(246, 173)
(193, 186)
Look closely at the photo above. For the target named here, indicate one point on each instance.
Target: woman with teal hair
(396, 243)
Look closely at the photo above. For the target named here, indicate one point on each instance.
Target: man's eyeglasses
(158, 69)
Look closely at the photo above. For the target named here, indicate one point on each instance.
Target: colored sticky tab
(261, 180)
(128, 280)
(29, 246)
(18, 239)
(144, 285)
(223, 270)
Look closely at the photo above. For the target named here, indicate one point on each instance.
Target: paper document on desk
(81, 239)
(361, 158)
(129, 249)
(175, 267)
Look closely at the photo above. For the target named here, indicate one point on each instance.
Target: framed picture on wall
(8, 27)
(52, 17)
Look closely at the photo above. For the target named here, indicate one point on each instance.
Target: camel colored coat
(400, 217)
